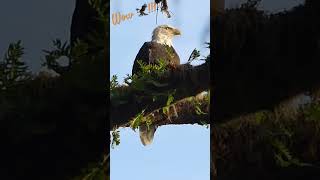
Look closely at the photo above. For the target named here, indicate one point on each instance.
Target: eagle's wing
(143, 55)
(151, 52)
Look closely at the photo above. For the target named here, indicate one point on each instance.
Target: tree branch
(186, 79)
(248, 146)
(185, 111)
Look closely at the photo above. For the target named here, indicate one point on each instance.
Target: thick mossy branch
(191, 110)
(268, 143)
(185, 80)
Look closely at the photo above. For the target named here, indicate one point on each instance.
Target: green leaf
(165, 110)
(170, 99)
(115, 138)
(281, 162)
(137, 120)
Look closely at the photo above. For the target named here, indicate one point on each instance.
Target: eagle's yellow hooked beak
(176, 32)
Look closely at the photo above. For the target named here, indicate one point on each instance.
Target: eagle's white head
(163, 34)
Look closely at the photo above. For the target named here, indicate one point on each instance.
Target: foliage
(194, 55)
(148, 121)
(198, 109)
(95, 37)
(145, 81)
(137, 120)
(13, 71)
(263, 139)
(95, 171)
(250, 4)
(170, 99)
(197, 104)
(147, 75)
(114, 83)
(79, 49)
(115, 138)
(260, 117)
(281, 137)
(101, 6)
(117, 96)
(312, 111)
(51, 57)
(282, 154)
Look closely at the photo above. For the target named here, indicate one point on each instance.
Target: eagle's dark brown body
(151, 52)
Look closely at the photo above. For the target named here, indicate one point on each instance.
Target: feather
(151, 52)
(147, 134)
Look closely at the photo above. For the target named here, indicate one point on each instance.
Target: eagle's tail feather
(147, 134)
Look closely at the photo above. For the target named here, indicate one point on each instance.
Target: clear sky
(178, 152)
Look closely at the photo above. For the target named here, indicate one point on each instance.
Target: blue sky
(177, 152)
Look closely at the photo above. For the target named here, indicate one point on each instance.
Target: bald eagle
(159, 47)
